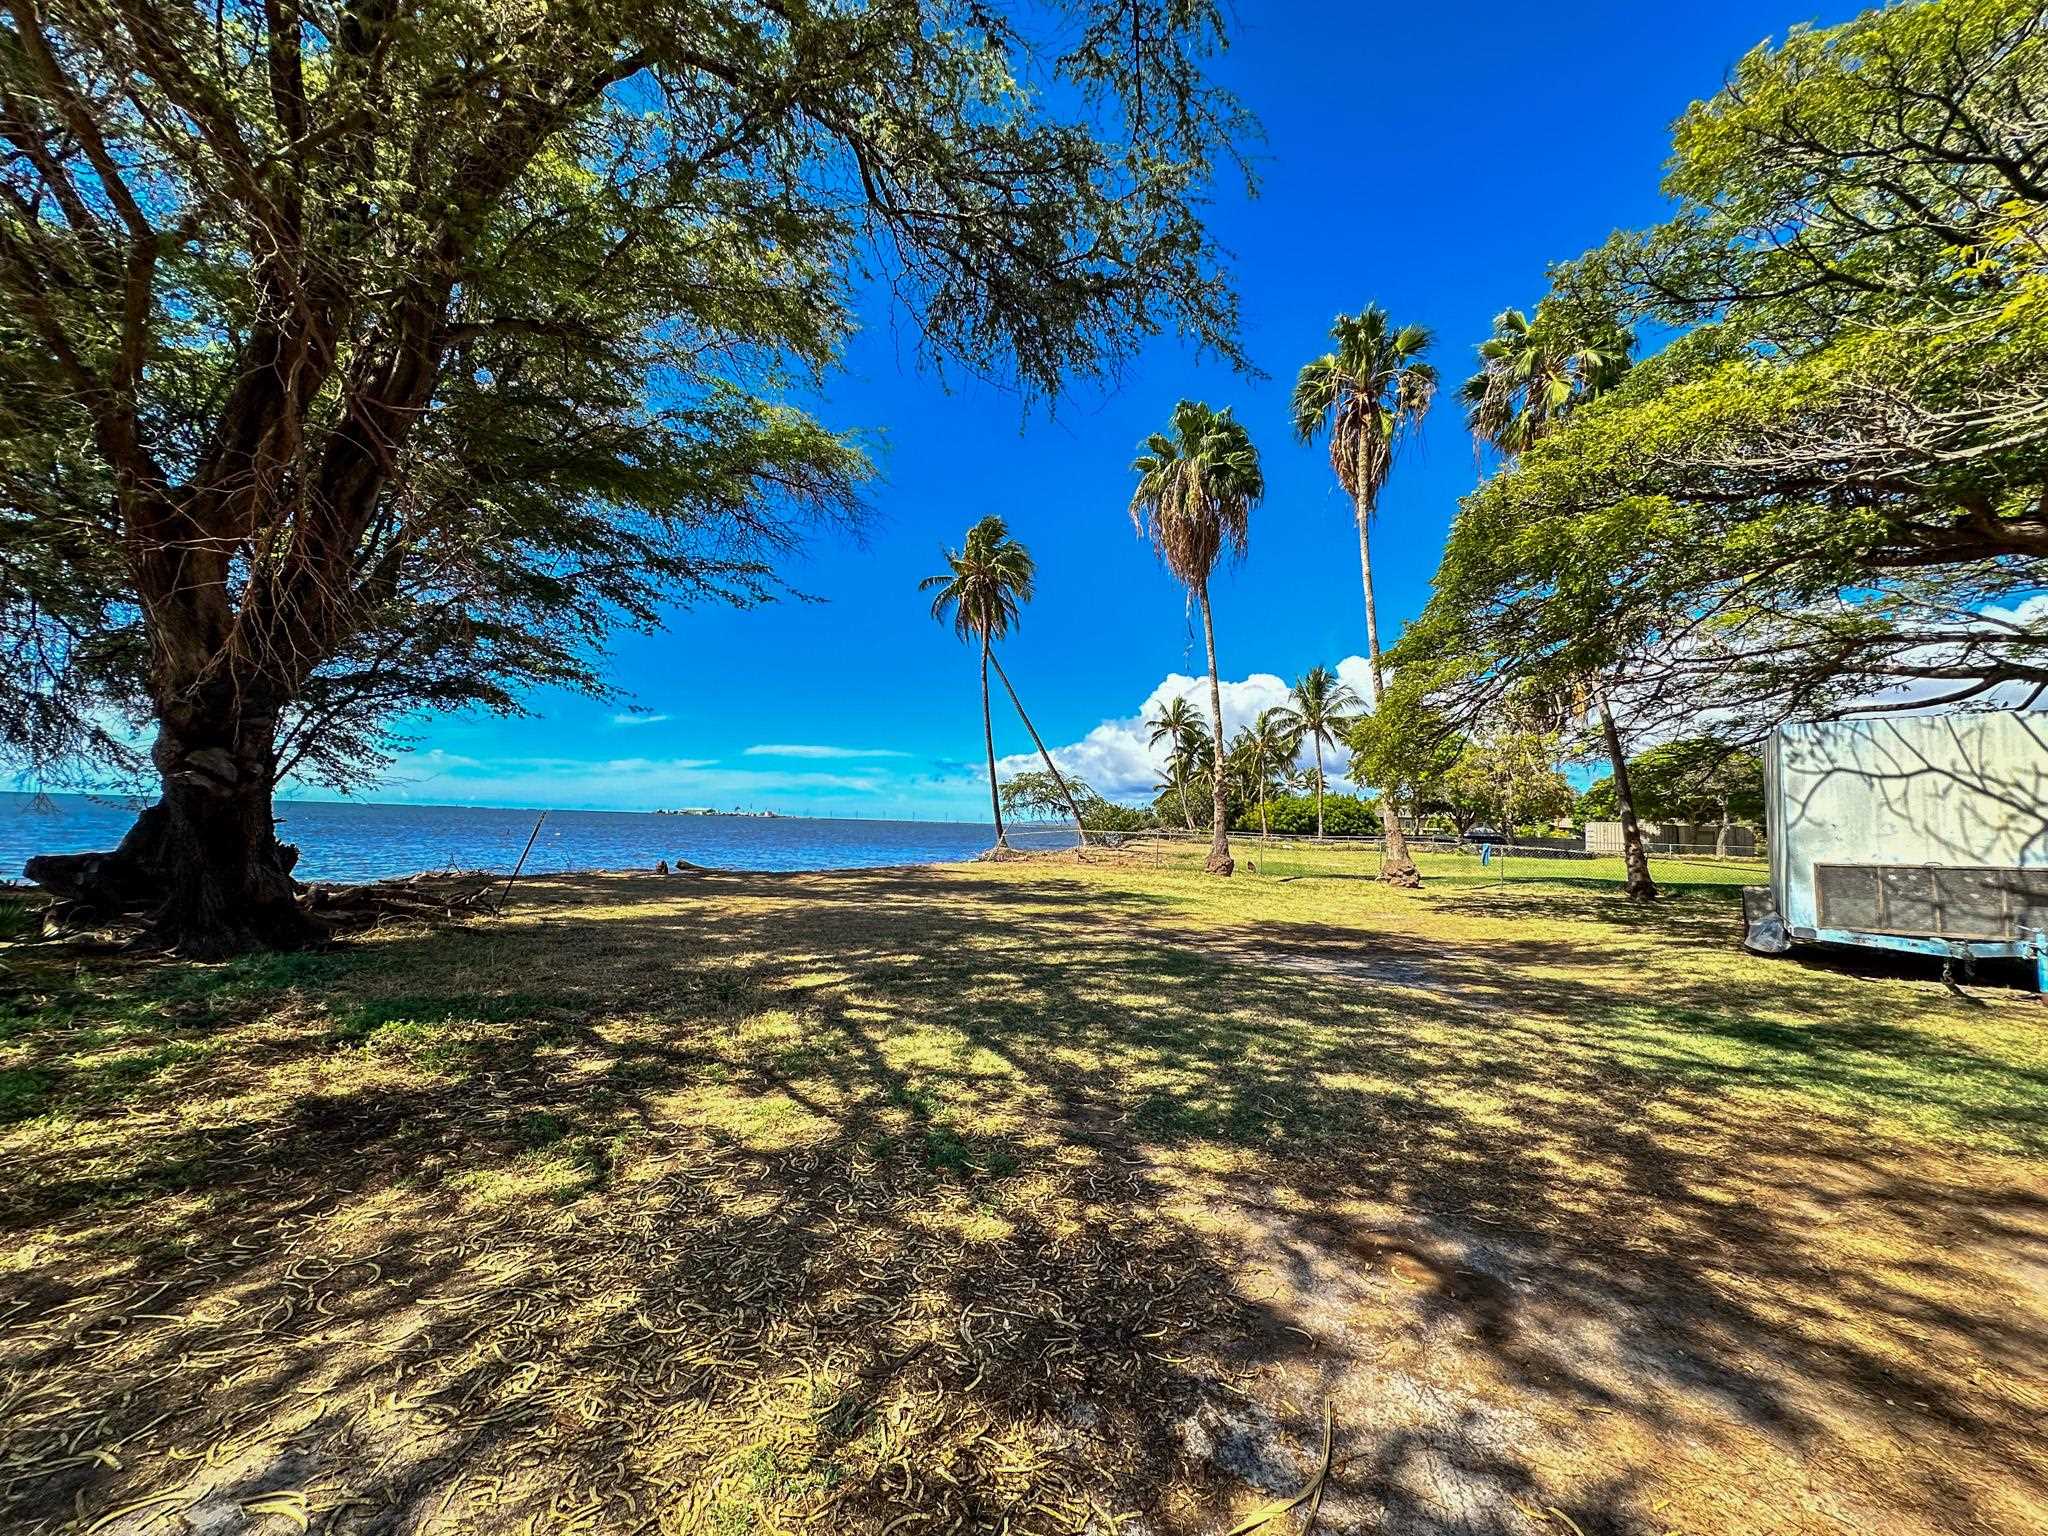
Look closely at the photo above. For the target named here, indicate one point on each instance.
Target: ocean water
(361, 841)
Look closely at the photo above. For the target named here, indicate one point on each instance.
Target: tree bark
(1058, 778)
(1319, 787)
(203, 863)
(1396, 867)
(1639, 886)
(988, 733)
(1219, 861)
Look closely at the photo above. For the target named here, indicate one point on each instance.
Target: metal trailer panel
(1923, 833)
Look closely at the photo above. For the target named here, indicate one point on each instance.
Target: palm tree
(1533, 374)
(982, 593)
(1318, 713)
(1261, 752)
(1197, 485)
(1370, 392)
(1173, 724)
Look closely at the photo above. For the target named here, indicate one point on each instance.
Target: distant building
(1703, 837)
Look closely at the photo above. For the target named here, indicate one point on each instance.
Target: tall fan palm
(1370, 392)
(1533, 373)
(1197, 485)
(982, 593)
(1173, 725)
(1319, 711)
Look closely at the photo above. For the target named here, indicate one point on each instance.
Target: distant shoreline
(126, 799)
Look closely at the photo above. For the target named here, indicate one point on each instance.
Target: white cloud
(799, 749)
(1118, 760)
(638, 719)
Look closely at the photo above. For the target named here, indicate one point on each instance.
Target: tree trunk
(1219, 861)
(1319, 787)
(204, 862)
(1066, 794)
(1396, 867)
(1721, 837)
(1181, 784)
(1640, 887)
(988, 732)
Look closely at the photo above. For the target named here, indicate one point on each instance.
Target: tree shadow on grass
(888, 1194)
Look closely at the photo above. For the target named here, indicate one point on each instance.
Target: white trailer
(1926, 834)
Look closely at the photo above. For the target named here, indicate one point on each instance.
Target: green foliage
(1368, 392)
(1197, 486)
(23, 1091)
(1812, 494)
(1697, 779)
(1038, 794)
(20, 917)
(986, 584)
(1506, 779)
(1405, 747)
(1535, 372)
(1343, 816)
(1100, 815)
(355, 361)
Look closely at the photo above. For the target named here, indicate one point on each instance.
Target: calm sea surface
(360, 842)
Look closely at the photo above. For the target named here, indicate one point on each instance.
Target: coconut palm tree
(1318, 711)
(982, 593)
(1261, 752)
(1369, 393)
(1533, 373)
(1197, 484)
(1173, 724)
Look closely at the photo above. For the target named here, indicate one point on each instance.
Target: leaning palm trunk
(1640, 886)
(1397, 868)
(1066, 794)
(1186, 814)
(1219, 861)
(988, 732)
(1319, 785)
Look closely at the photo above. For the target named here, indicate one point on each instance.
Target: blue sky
(1433, 159)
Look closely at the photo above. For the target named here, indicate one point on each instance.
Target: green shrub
(1295, 815)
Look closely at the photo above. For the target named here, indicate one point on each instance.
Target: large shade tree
(1534, 375)
(356, 357)
(1197, 485)
(1832, 488)
(1368, 393)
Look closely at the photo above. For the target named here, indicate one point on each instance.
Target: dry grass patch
(1054, 1194)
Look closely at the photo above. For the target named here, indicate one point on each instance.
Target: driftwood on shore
(424, 898)
(337, 907)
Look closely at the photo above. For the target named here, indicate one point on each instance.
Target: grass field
(1049, 1196)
